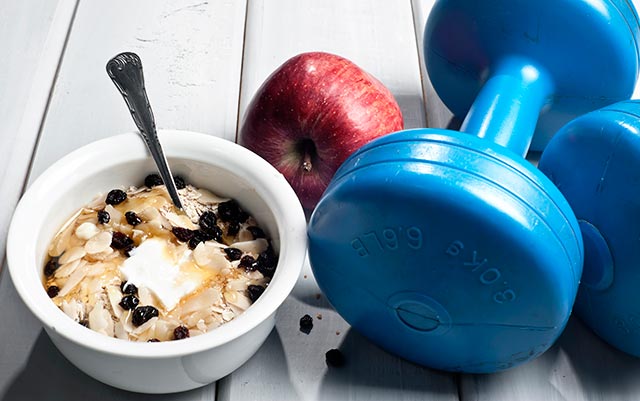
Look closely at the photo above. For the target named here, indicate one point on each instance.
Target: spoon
(125, 70)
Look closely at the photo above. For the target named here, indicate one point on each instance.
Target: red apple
(311, 114)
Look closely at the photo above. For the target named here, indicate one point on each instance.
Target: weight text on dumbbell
(486, 274)
(387, 239)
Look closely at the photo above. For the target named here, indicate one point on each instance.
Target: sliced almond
(86, 230)
(99, 243)
(72, 254)
(180, 220)
(67, 269)
(241, 301)
(209, 198)
(254, 247)
(73, 280)
(202, 301)
(210, 256)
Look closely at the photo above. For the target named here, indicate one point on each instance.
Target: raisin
(249, 263)
(129, 302)
(201, 236)
(153, 180)
(208, 221)
(254, 292)
(182, 234)
(230, 211)
(256, 232)
(142, 314)
(306, 324)
(334, 358)
(180, 333)
(121, 241)
(103, 216)
(128, 288)
(132, 218)
(53, 291)
(116, 197)
(153, 340)
(267, 262)
(51, 267)
(84, 322)
(233, 228)
(233, 253)
(179, 181)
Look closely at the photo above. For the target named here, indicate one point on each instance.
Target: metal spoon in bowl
(125, 70)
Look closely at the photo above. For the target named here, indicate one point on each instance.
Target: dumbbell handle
(507, 108)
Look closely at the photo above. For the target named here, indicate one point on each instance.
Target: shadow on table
(599, 367)
(369, 370)
(48, 375)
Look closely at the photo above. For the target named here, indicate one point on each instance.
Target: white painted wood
(192, 53)
(32, 35)
(380, 38)
(438, 116)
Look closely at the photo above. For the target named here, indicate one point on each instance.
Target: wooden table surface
(204, 60)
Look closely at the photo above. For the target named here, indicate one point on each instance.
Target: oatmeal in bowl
(116, 279)
(131, 265)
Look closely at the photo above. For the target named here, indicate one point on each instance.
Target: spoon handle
(125, 70)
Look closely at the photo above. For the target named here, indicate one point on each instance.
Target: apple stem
(309, 151)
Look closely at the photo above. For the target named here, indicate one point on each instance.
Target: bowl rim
(262, 176)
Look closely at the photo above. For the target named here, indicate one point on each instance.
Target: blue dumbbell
(595, 162)
(449, 248)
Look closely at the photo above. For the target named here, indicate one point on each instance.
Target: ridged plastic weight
(448, 248)
(595, 162)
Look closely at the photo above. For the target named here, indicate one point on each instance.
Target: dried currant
(182, 234)
(129, 302)
(306, 324)
(179, 181)
(153, 340)
(267, 262)
(53, 291)
(230, 211)
(254, 292)
(208, 221)
(180, 333)
(233, 228)
(233, 253)
(51, 267)
(256, 232)
(116, 197)
(103, 217)
(249, 263)
(128, 288)
(132, 218)
(153, 180)
(121, 241)
(142, 314)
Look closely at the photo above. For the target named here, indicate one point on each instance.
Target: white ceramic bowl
(205, 161)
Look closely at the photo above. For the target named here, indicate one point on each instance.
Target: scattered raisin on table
(334, 358)
(254, 292)
(180, 333)
(116, 197)
(142, 314)
(306, 324)
(103, 217)
(53, 291)
(132, 218)
(153, 180)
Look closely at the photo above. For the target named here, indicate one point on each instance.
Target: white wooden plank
(380, 38)
(438, 116)
(191, 52)
(192, 55)
(32, 34)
